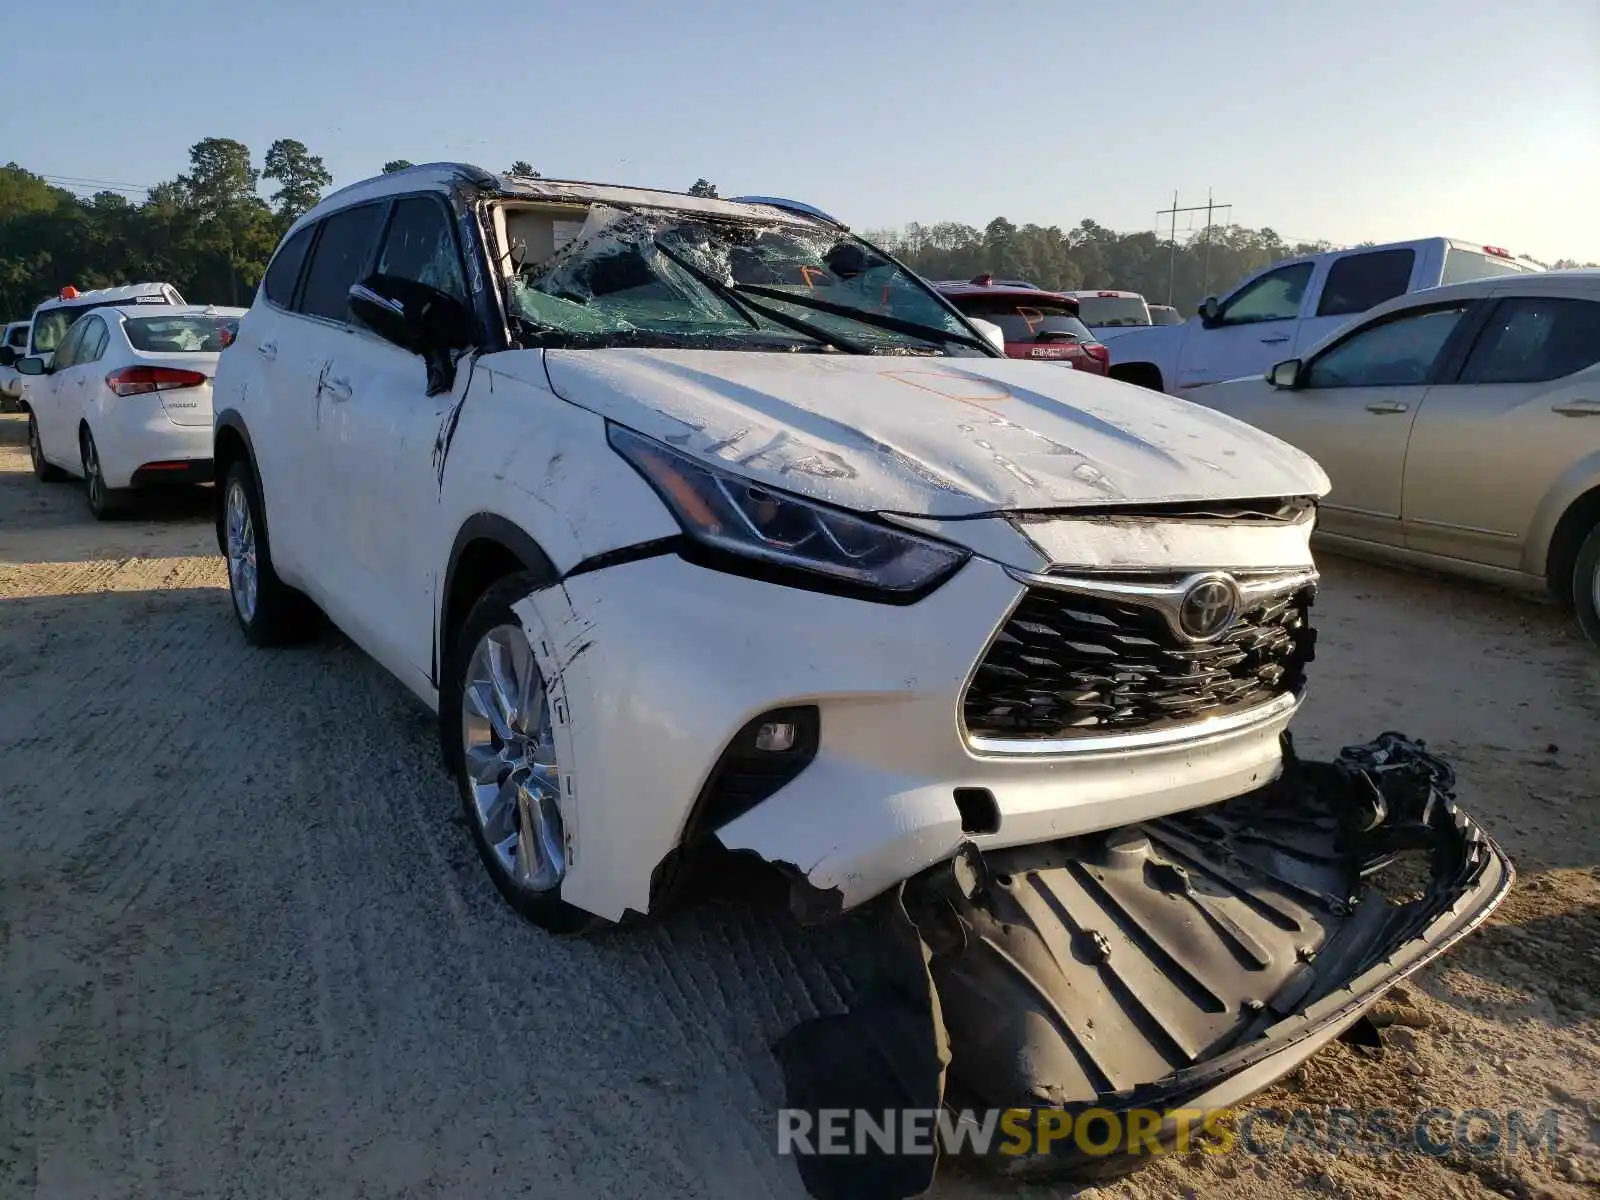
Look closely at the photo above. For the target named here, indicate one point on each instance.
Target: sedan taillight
(135, 381)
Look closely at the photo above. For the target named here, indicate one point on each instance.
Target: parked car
(1111, 309)
(13, 345)
(707, 525)
(53, 318)
(1460, 427)
(1165, 314)
(125, 401)
(1290, 306)
(1035, 324)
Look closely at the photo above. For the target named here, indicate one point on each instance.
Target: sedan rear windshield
(1024, 319)
(1113, 310)
(189, 334)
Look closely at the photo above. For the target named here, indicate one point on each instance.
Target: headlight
(731, 515)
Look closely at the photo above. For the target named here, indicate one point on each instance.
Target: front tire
(269, 611)
(1586, 586)
(495, 715)
(43, 470)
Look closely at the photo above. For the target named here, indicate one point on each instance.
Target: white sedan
(126, 404)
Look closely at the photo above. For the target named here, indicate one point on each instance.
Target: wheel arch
(1561, 557)
(487, 547)
(230, 442)
(1142, 374)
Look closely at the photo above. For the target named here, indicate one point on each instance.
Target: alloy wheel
(243, 577)
(93, 479)
(508, 749)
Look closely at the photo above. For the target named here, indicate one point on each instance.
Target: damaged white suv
(708, 524)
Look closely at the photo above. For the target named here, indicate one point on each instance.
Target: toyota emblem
(1208, 608)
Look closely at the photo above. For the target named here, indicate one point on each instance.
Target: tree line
(210, 232)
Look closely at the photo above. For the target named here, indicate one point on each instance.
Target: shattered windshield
(692, 280)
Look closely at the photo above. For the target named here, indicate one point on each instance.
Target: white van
(1291, 305)
(13, 344)
(53, 318)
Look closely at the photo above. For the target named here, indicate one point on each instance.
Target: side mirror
(416, 317)
(1210, 311)
(32, 365)
(992, 333)
(1285, 374)
(8, 356)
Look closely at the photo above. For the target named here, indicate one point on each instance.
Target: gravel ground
(246, 948)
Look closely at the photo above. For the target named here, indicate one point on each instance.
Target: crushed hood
(934, 437)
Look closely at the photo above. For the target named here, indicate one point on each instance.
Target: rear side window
(93, 344)
(1025, 320)
(337, 261)
(1532, 339)
(284, 272)
(1360, 281)
(421, 246)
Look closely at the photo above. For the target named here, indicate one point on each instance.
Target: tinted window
(1469, 264)
(1359, 281)
(421, 246)
(1025, 320)
(1397, 352)
(1535, 338)
(285, 269)
(17, 339)
(1274, 297)
(67, 348)
(93, 343)
(1113, 310)
(337, 261)
(187, 334)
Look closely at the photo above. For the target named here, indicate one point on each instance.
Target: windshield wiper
(746, 307)
(928, 333)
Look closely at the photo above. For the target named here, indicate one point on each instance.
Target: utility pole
(1210, 208)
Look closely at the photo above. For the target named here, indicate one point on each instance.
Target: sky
(1359, 120)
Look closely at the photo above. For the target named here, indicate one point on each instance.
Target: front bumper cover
(1183, 962)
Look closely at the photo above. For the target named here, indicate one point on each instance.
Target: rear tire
(269, 611)
(104, 502)
(43, 470)
(511, 784)
(1586, 586)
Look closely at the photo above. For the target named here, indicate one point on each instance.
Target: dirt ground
(246, 948)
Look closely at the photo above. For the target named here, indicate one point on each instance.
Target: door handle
(1577, 408)
(339, 389)
(267, 350)
(1388, 406)
(1275, 339)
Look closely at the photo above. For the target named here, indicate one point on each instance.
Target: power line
(85, 183)
(1209, 208)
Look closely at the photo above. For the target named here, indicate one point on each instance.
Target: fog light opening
(980, 811)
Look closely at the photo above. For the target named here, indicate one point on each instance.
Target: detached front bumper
(1183, 963)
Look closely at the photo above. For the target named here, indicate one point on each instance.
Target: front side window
(1532, 339)
(420, 245)
(17, 337)
(1358, 282)
(189, 333)
(1275, 296)
(673, 278)
(337, 261)
(1397, 352)
(284, 272)
(1025, 319)
(66, 347)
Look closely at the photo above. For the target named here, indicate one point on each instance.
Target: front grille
(1069, 665)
